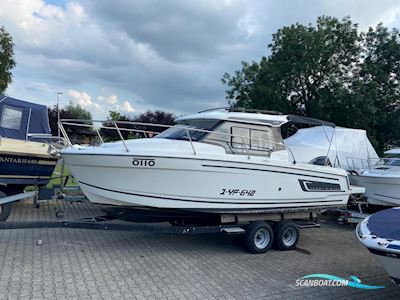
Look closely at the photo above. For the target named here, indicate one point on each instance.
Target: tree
(112, 134)
(380, 73)
(329, 71)
(7, 61)
(153, 117)
(71, 111)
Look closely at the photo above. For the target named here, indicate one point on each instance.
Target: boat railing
(357, 163)
(118, 127)
(54, 142)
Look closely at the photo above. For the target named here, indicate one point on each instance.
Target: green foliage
(153, 117)
(71, 111)
(329, 71)
(77, 112)
(7, 61)
(116, 116)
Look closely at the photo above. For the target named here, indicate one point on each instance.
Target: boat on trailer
(26, 156)
(213, 163)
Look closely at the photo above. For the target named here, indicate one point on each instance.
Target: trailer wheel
(258, 237)
(5, 209)
(286, 235)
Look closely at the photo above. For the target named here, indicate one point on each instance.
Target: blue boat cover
(20, 118)
(385, 224)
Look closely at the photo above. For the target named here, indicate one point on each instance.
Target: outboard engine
(321, 161)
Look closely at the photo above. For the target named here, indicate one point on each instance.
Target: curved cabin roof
(274, 120)
(243, 117)
(393, 151)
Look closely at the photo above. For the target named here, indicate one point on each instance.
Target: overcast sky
(131, 56)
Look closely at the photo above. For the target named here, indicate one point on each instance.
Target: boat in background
(210, 162)
(26, 156)
(345, 148)
(380, 233)
(353, 152)
(381, 179)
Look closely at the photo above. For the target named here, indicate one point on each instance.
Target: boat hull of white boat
(379, 190)
(384, 247)
(203, 184)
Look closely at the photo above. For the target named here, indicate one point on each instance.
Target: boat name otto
(143, 162)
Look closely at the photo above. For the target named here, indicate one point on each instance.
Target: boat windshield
(394, 162)
(180, 132)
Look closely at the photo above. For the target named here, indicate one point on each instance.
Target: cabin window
(261, 140)
(253, 139)
(240, 137)
(11, 117)
(181, 133)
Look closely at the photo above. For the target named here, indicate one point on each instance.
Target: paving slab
(146, 263)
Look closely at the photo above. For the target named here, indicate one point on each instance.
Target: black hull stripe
(271, 171)
(194, 158)
(212, 202)
(384, 253)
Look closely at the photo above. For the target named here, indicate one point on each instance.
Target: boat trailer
(259, 230)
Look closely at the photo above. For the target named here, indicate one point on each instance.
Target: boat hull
(379, 233)
(25, 163)
(390, 262)
(379, 190)
(199, 183)
(26, 169)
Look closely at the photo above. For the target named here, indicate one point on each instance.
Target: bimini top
(21, 119)
(253, 117)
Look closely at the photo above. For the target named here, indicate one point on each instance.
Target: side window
(259, 140)
(11, 117)
(236, 139)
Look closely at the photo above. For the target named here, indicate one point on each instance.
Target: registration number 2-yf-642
(232, 192)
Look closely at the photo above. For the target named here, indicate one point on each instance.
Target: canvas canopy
(21, 119)
(350, 148)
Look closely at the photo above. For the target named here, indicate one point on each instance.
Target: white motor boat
(380, 233)
(381, 180)
(213, 161)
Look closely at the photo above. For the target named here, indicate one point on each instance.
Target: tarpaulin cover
(386, 224)
(19, 118)
(350, 148)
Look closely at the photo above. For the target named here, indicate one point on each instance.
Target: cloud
(155, 54)
(103, 104)
(84, 100)
(126, 107)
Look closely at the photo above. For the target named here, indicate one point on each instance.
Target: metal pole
(247, 151)
(58, 112)
(191, 142)
(120, 135)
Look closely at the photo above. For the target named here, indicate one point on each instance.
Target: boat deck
(66, 263)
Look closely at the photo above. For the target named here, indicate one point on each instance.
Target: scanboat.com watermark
(333, 281)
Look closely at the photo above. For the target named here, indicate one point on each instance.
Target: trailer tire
(286, 235)
(5, 209)
(258, 237)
